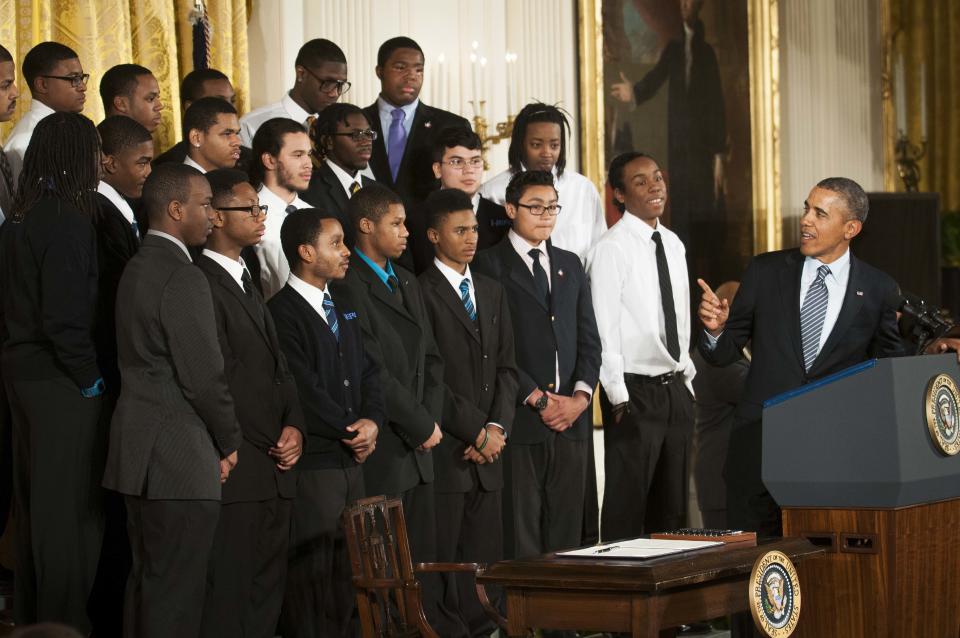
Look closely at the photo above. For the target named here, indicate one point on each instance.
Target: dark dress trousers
(178, 152)
(247, 571)
(480, 387)
(326, 193)
(338, 384)
(48, 288)
(546, 489)
(173, 423)
(766, 310)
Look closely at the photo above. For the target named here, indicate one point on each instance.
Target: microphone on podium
(918, 321)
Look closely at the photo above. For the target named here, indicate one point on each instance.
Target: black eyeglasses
(540, 209)
(76, 81)
(341, 86)
(358, 135)
(254, 211)
(461, 164)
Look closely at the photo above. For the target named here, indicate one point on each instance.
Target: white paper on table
(639, 548)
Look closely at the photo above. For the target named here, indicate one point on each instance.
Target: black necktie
(666, 299)
(247, 282)
(540, 281)
(394, 284)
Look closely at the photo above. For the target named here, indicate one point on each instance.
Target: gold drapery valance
(153, 33)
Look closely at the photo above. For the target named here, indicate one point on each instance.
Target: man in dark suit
(406, 127)
(342, 398)
(558, 360)
(175, 422)
(247, 568)
(344, 139)
(472, 328)
(809, 312)
(212, 132)
(127, 151)
(397, 336)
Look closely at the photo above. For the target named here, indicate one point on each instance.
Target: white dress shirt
(626, 299)
(183, 246)
(836, 283)
(117, 200)
(581, 221)
(312, 295)
(20, 136)
(274, 270)
(189, 162)
(456, 279)
(346, 180)
(523, 248)
(286, 107)
(234, 268)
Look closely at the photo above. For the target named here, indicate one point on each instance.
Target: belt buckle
(665, 378)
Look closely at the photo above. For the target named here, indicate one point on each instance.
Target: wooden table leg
(516, 616)
(645, 617)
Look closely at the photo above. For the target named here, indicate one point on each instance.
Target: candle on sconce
(484, 84)
(440, 98)
(900, 94)
(509, 73)
(474, 74)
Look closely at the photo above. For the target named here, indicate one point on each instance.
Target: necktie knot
(822, 273)
(465, 286)
(393, 283)
(467, 301)
(535, 254)
(330, 311)
(398, 115)
(656, 238)
(290, 209)
(354, 187)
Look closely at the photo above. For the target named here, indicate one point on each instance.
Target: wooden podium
(851, 462)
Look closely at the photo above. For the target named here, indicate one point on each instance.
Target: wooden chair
(388, 594)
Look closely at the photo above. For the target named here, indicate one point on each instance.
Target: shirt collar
(117, 200)
(189, 162)
(345, 179)
(275, 203)
(553, 171)
(233, 268)
(838, 268)
(522, 246)
(183, 247)
(294, 110)
(639, 227)
(40, 110)
(311, 293)
(452, 275)
(384, 275)
(386, 109)
(475, 200)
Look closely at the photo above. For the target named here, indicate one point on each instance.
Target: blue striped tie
(330, 310)
(812, 314)
(467, 302)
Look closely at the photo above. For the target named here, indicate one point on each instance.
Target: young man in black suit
(344, 140)
(397, 335)
(405, 126)
(247, 571)
(558, 359)
(808, 312)
(174, 436)
(472, 328)
(342, 398)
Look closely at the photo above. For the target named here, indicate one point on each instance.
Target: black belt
(663, 379)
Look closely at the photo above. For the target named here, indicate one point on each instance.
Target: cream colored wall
(541, 32)
(830, 98)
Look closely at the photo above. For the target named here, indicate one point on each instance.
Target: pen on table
(606, 549)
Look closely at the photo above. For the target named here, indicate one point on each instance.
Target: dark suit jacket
(326, 193)
(767, 309)
(175, 418)
(415, 177)
(479, 373)
(397, 336)
(264, 392)
(338, 382)
(494, 223)
(116, 245)
(567, 331)
(178, 152)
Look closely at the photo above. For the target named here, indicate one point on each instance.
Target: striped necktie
(467, 301)
(331, 312)
(812, 315)
(354, 187)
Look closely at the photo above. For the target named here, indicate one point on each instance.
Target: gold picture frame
(764, 69)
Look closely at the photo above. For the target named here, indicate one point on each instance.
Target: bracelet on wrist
(486, 437)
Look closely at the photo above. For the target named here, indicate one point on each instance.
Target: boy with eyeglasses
(57, 85)
(321, 78)
(343, 142)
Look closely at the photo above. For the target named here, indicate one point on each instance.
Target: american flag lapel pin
(560, 273)
(859, 293)
(427, 124)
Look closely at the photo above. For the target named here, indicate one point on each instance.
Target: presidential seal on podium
(775, 595)
(941, 402)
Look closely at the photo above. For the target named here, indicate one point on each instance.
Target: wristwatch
(541, 403)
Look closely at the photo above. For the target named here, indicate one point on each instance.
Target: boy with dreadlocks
(539, 143)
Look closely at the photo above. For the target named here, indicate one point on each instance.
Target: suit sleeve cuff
(582, 386)
(711, 340)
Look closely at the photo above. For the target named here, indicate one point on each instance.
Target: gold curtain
(926, 33)
(152, 33)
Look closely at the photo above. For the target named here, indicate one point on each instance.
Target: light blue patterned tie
(467, 302)
(136, 229)
(331, 312)
(396, 141)
(812, 314)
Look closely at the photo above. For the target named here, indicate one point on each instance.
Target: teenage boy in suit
(341, 394)
(471, 325)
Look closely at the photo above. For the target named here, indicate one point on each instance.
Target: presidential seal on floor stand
(941, 402)
(775, 595)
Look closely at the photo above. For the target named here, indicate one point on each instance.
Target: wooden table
(641, 597)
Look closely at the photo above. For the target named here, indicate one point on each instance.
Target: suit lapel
(449, 296)
(337, 194)
(379, 290)
(790, 294)
(420, 119)
(852, 303)
(378, 160)
(519, 272)
(307, 310)
(249, 305)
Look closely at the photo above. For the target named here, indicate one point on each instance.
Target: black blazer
(264, 392)
(116, 245)
(397, 336)
(767, 310)
(415, 177)
(494, 223)
(338, 382)
(566, 332)
(326, 193)
(178, 152)
(479, 373)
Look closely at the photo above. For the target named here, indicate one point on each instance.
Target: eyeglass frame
(261, 209)
(357, 135)
(533, 207)
(342, 85)
(76, 81)
(473, 162)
